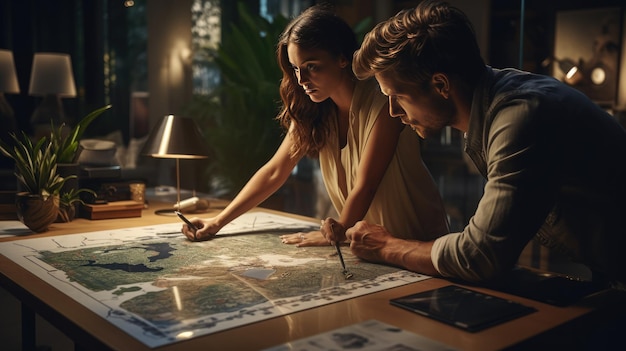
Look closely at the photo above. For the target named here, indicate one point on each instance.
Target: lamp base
(50, 109)
(165, 212)
(49, 112)
(191, 205)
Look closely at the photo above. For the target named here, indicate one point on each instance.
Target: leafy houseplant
(238, 116)
(36, 170)
(36, 165)
(67, 202)
(66, 147)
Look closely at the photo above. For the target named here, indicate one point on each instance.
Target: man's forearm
(410, 254)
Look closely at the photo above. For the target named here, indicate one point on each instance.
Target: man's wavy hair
(309, 122)
(416, 43)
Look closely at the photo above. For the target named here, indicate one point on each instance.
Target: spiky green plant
(35, 165)
(66, 147)
(68, 199)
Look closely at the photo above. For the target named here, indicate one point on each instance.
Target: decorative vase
(36, 212)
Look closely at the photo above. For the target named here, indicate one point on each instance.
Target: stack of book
(113, 209)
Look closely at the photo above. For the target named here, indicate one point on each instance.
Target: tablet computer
(463, 308)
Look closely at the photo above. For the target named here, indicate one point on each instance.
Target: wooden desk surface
(549, 325)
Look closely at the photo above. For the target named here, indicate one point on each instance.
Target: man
(555, 163)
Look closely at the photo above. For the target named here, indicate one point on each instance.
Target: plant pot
(36, 212)
(67, 213)
(66, 170)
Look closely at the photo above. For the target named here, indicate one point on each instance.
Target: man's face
(427, 111)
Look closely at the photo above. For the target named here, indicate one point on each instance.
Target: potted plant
(68, 201)
(66, 147)
(36, 170)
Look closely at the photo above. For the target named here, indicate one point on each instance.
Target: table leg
(29, 337)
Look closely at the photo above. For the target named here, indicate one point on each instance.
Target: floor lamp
(178, 138)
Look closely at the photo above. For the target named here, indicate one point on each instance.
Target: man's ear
(441, 83)
(343, 62)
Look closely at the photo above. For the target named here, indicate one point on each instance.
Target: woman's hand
(314, 238)
(333, 231)
(207, 228)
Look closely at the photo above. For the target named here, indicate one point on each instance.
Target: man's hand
(368, 241)
(374, 243)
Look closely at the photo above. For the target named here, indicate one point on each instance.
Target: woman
(370, 163)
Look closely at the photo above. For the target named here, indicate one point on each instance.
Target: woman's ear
(441, 83)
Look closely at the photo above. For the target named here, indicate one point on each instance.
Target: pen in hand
(345, 272)
(188, 222)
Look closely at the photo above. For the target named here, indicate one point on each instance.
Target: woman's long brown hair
(316, 28)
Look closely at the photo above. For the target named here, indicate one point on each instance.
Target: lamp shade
(8, 77)
(176, 137)
(52, 74)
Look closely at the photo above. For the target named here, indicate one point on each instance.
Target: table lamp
(8, 84)
(51, 77)
(179, 138)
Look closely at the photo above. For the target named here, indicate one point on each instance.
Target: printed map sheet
(159, 287)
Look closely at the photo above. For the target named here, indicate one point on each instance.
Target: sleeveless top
(407, 202)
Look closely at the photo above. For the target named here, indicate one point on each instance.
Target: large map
(160, 288)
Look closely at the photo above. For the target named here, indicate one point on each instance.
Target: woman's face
(317, 71)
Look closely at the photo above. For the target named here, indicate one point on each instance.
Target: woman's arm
(379, 151)
(269, 178)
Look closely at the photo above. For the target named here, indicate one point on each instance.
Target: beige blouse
(407, 203)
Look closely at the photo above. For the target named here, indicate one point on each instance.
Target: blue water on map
(259, 273)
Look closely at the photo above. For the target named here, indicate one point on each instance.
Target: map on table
(160, 288)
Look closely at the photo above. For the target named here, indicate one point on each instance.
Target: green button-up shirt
(555, 165)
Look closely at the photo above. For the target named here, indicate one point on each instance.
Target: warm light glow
(177, 300)
(167, 134)
(52, 73)
(184, 335)
(185, 54)
(598, 75)
(179, 58)
(129, 3)
(8, 77)
(570, 74)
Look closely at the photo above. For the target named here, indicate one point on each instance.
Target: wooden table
(566, 327)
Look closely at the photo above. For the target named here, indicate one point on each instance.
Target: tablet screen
(463, 308)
